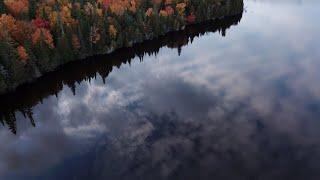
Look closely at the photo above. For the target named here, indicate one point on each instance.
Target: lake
(234, 98)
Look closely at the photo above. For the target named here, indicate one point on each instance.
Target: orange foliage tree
(17, 7)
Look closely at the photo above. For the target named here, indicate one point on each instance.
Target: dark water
(237, 98)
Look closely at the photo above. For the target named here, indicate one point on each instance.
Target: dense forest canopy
(36, 36)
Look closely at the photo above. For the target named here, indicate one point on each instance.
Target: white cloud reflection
(247, 103)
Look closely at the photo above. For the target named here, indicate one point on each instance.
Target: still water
(238, 98)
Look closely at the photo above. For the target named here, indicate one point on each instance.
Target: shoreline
(32, 73)
(26, 96)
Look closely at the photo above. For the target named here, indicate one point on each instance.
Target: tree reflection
(27, 96)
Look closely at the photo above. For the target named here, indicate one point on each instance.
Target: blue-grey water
(240, 104)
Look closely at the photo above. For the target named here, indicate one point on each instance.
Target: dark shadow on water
(29, 95)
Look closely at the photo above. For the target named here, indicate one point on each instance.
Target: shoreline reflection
(244, 106)
(24, 98)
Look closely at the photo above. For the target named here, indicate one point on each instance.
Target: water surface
(241, 102)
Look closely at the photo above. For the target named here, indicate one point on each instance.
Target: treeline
(26, 97)
(36, 36)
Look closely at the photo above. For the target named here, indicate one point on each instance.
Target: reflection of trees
(9, 118)
(27, 96)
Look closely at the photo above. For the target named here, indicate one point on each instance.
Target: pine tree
(32, 9)
(2, 7)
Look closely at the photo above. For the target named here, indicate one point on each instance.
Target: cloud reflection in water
(245, 107)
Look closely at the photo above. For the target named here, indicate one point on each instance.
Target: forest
(72, 74)
(37, 36)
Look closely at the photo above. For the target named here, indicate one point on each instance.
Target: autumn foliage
(17, 7)
(22, 52)
(40, 35)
